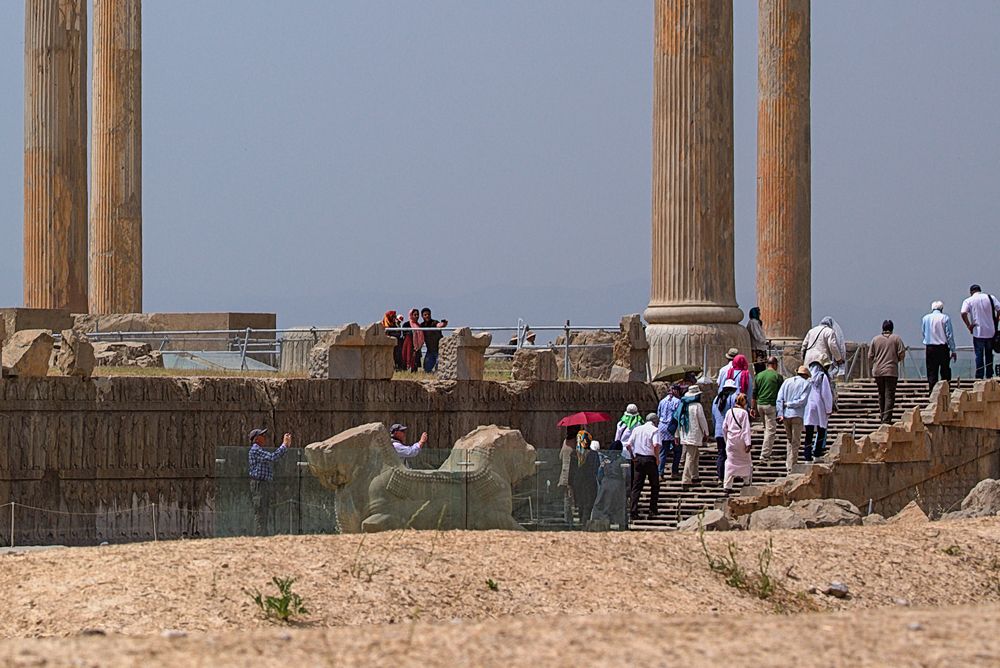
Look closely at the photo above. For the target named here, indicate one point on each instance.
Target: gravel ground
(424, 596)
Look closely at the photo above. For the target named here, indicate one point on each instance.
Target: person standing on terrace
(939, 344)
(262, 476)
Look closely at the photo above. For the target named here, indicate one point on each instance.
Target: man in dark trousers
(432, 339)
(262, 476)
(644, 443)
(885, 353)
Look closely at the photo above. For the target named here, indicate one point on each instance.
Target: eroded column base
(689, 344)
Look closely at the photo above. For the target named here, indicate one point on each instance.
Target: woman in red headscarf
(740, 372)
(389, 322)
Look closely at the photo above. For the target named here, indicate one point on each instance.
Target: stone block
(818, 513)
(376, 357)
(533, 364)
(712, 520)
(350, 353)
(75, 356)
(27, 352)
(461, 355)
(127, 353)
(52, 319)
(910, 514)
(776, 517)
(592, 362)
(630, 355)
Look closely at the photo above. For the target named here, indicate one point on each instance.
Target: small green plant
(952, 550)
(492, 584)
(283, 607)
(761, 584)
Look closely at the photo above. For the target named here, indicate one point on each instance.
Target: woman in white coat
(736, 427)
(818, 409)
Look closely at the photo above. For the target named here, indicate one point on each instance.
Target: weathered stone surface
(461, 355)
(27, 353)
(376, 357)
(818, 513)
(776, 517)
(127, 353)
(713, 520)
(531, 364)
(591, 363)
(350, 352)
(872, 520)
(16, 319)
(982, 501)
(630, 355)
(75, 356)
(910, 514)
(375, 492)
(837, 590)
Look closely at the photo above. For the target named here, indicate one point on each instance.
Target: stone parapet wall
(109, 447)
(933, 456)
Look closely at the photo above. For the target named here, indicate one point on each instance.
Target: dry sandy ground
(422, 598)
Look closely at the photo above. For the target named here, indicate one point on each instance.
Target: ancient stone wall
(932, 456)
(102, 450)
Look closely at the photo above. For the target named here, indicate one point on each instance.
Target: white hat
(693, 391)
(937, 306)
(730, 382)
(595, 445)
(631, 409)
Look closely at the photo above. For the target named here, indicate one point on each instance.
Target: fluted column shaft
(116, 161)
(784, 266)
(55, 154)
(693, 280)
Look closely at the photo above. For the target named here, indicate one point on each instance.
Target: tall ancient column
(116, 181)
(692, 308)
(55, 154)
(784, 267)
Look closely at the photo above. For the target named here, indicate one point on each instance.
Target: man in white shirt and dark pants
(939, 344)
(644, 445)
(979, 313)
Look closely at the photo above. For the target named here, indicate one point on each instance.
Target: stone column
(116, 181)
(55, 154)
(693, 302)
(784, 289)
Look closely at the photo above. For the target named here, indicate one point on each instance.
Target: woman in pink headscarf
(740, 372)
(413, 341)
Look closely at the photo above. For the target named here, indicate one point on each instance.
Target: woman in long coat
(736, 427)
(818, 409)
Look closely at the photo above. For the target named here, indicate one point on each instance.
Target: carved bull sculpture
(375, 492)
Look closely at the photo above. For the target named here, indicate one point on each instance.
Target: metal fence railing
(264, 349)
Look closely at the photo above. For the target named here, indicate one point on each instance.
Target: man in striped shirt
(262, 476)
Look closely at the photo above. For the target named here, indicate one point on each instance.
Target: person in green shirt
(765, 396)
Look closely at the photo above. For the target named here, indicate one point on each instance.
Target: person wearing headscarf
(629, 421)
(583, 475)
(819, 407)
(758, 340)
(692, 431)
(609, 506)
(720, 407)
(736, 428)
(740, 372)
(389, 322)
(413, 341)
(823, 340)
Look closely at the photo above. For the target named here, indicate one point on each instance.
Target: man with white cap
(791, 408)
(692, 430)
(939, 344)
(644, 446)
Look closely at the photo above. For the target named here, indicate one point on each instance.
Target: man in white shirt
(644, 445)
(979, 313)
(939, 344)
(405, 452)
(790, 408)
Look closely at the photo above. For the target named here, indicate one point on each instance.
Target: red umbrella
(585, 417)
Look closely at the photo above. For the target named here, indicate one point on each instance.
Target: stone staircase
(857, 414)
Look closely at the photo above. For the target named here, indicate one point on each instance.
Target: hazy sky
(329, 159)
